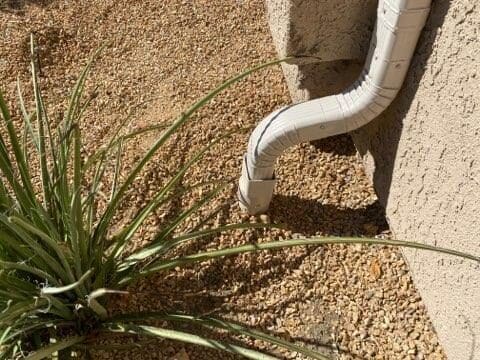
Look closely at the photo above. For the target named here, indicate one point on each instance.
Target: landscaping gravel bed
(356, 302)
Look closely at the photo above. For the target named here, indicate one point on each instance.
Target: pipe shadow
(309, 217)
(342, 145)
(380, 137)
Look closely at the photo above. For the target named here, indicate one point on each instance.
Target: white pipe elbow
(398, 26)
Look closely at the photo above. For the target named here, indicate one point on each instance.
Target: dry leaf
(375, 269)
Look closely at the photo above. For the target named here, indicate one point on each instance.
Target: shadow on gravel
(16, 6)
(206, 290)
(342, 145)
(310, 217)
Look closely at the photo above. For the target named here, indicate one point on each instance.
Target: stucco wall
(317, 27)
(423, 153)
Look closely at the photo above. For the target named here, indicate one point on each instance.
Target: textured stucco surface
(317, 28)
(423, 153)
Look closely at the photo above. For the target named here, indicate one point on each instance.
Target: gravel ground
(358, 300)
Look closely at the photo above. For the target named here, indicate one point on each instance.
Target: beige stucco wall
(423, 153)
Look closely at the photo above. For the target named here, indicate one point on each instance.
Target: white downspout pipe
(397, 29)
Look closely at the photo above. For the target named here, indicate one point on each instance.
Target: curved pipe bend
(397, 29)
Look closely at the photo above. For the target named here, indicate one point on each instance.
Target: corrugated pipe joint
(260, 192)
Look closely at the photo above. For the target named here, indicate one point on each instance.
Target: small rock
(264, 218)
(181, 355)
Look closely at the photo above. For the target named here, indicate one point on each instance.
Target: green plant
(58, 258)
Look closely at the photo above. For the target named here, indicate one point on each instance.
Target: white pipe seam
(397, 29)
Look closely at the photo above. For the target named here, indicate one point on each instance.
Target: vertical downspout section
(397, 29)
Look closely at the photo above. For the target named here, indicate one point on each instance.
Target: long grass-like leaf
(72, 286)
(6, 201)
(12, 295)
(187, 338)
(62, 254)
(14, 248)
(26, 117)
(231, 327)
(22, 195)
(49, 242)
(17, 310)
(46, 180)
(80, 242)
(12, 281)
(177, 240)
(275, 245)
(55, 347)
(32, 326)
(74, 106)
(29, 269)
(48, 259)
(68, 126)
(17, 150)
(116, 172)
(162, 248)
